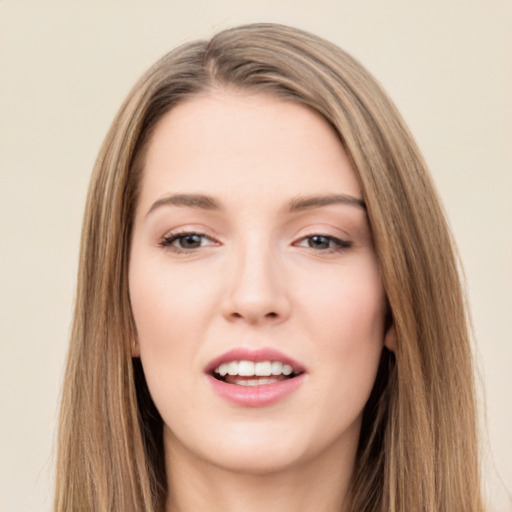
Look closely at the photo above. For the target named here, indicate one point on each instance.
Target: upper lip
(254, 355)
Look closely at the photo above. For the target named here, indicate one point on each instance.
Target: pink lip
(255, 396)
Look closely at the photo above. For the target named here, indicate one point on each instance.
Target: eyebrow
(196, 201)
(311, 202)
(300, 203)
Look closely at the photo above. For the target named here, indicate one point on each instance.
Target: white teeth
(263, 369)
(249, 369)
(233, 368)
(246, 368)
(277, 368)
(255, 382)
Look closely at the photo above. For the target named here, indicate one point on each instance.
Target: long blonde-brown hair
(418, 446)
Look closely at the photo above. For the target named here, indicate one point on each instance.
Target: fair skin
(250, 235)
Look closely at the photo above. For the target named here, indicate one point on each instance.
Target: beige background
(65, 66)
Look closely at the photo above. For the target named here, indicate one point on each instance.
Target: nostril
(253, 313)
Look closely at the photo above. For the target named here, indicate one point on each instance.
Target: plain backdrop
(65, 67)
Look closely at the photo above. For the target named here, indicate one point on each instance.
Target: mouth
(254, 373)
(255, 378)
(254, 367)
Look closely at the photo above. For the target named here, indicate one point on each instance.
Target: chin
(258, 459)
(256, 448)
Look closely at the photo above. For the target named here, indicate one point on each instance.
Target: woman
(269, 311)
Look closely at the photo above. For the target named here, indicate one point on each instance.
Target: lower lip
(255, 396)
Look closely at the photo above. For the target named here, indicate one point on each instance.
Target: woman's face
(252, 255)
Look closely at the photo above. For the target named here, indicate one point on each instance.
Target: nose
(257, 292)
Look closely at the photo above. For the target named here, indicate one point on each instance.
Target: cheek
(346, 320)
(170, 314)
(167, 301)
(346, 304)
(168, 308)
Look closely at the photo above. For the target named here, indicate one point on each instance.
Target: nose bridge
(256, 291)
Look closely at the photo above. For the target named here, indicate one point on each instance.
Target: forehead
(227, 143)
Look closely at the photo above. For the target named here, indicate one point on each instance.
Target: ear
(390, 338)
(135, 347)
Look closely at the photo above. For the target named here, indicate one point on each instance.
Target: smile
(254, 378)
(240, 372)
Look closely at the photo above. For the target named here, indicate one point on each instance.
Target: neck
(319, 485)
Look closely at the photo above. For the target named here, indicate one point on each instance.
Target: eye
(324, 243)
(186, 242)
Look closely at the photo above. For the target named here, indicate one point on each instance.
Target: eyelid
(341, 244)
(336, 242)
(168, 239)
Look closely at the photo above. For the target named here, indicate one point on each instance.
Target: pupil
(319, 242)
(191, 241)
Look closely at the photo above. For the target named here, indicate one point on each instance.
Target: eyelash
(339, 244)
(168, 242)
